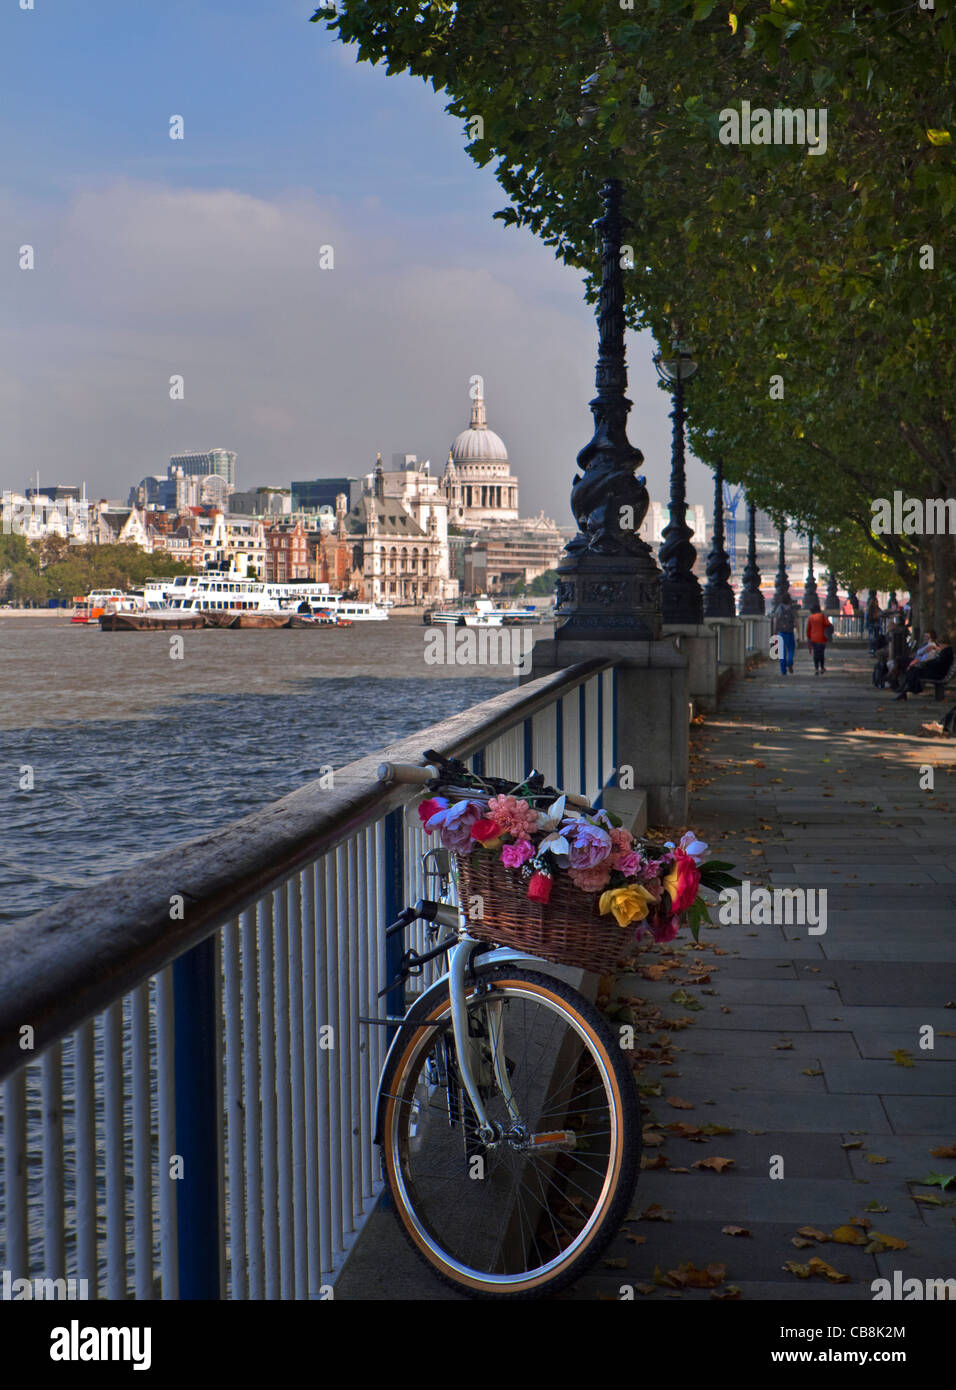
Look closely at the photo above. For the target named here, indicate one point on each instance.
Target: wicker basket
(568, 930)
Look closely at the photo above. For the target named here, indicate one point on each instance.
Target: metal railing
(187, 1095)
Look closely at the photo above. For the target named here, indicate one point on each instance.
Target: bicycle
(508, 1116)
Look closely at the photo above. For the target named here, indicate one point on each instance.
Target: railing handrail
(70, 961)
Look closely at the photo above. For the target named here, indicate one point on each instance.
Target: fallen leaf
(690, 1277)
(635, 1240)
(679, 1104)
(658, 1161)
(852, 1144)
(653, 1140)
(944, 1151)
(801, 1271)
(783, 1047)
(888, 1242)
(717, 1129)
(616, 1262)
(734, 1231)
(728, 1291)
(877, 1158)
(848, 1235)
(818, 1266)
(874, 1206)
(812, 1232)
(812, 1071)
(941, 1180)
(655, 1212)
(717, 1164)
(800, 1243)
(902, 1058)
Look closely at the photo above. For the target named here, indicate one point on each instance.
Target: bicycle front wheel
(527, 1212)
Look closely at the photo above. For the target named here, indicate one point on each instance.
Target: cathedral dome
(478, 444)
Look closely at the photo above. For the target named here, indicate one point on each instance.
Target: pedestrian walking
(818, 629)
(874, 617)
(784, 625)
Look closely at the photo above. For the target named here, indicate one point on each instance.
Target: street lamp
(681, 599)
(608, 584)
(718, 594)
(751, 599)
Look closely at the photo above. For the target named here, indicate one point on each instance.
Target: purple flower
(455, 824)
(589, 844)
(513, 856)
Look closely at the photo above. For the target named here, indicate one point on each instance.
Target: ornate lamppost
(831, 603)
(810, 595)
(718, 595)
(752, 602)
(681, 599)
(608, 582)
(781, 593)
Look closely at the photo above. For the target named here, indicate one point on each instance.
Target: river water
(132, 749)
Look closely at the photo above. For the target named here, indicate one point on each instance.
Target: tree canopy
(816, 288)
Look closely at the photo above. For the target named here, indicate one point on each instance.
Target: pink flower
(620, 839)
(591, 880)
(455, 824)
(627, 863)
(515, 817)
(589, 844)
(513, 856)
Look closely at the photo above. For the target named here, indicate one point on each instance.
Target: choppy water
(132, 752)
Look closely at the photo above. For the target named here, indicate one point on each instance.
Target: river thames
(131, 749)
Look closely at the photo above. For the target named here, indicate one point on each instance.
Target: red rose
(485, 830)
(539, 889)
(427, 809)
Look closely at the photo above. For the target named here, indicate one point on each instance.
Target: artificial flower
(588, 845)
(514, 816)
(455, 823)
(431, 807)
(487, 833)
(628, 904)
(591, 880)
(664, 928)
(697, 849)
(682, 882)
(539, 889)
(627, 863)
(513, 856)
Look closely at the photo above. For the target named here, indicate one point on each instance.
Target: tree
(823, 270)
(26, 588)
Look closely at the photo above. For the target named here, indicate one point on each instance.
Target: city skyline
(200, 257)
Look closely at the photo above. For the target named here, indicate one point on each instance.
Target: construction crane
(731, 499)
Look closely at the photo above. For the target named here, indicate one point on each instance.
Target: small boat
(153, 621)
(314, 620)
(90, 608)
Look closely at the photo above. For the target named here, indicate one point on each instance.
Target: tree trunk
(927, 586)
(944, 557)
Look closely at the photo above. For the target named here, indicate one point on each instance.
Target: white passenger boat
(222, 591)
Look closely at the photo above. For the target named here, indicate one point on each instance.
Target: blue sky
(199, 257)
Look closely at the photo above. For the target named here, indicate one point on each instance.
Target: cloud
(302, 371)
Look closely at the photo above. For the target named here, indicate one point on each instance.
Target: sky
(201, 257)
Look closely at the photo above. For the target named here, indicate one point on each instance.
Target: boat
(482, 613)
(89, 608)
(314, 620)
(151, 621)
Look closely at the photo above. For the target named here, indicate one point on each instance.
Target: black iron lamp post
(831, 603)
(781, 593)
(681, 598)
(810, 595)
(608, 582)
(752, 601)
(718, 594)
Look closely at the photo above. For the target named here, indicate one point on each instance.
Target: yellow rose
(628, 904)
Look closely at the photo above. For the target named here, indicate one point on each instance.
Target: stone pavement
(783, 1038)
(786, 1039)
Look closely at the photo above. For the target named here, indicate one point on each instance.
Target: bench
(941, 684)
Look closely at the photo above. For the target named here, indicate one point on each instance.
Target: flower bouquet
(561, 882)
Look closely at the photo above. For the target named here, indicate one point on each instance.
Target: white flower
(697, 849)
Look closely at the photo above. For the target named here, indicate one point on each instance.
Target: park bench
(941, 684)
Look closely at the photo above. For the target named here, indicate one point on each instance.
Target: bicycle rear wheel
(529, 1212)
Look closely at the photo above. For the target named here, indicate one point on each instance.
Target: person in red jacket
(818, 629)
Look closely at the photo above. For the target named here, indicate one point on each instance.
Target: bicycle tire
(426, 1022)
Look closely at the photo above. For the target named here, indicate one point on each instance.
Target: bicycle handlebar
(406, 772)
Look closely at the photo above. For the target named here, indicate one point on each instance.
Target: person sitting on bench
(936, 669)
